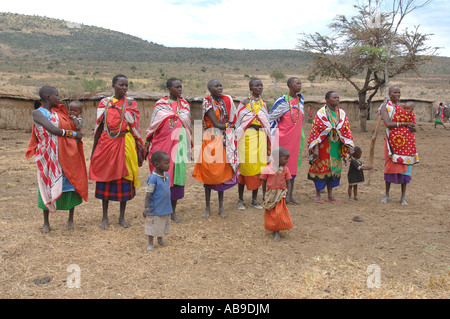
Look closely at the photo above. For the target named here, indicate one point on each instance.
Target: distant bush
(93, 85)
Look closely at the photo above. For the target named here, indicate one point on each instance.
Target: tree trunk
(372, 150)
(363, 109)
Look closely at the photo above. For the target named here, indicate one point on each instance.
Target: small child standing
(274, 177)
(355, 173)
(158, 207)
(75, 111)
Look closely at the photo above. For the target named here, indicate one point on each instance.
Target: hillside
(77, 58)
(27, 36)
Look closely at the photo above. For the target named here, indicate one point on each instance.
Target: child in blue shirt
(158, 207)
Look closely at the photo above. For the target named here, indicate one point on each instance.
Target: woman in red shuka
(118, 150)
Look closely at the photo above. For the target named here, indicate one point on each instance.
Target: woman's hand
(411, 127)
(141, 158)
(79, 136)
(315, 152)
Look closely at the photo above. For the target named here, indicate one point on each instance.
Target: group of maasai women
(237, 145)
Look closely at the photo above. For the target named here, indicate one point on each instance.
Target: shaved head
(45, 91)
(393, 87)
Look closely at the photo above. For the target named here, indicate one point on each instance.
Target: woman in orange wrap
(218, 162)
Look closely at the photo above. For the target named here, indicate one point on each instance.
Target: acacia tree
(277, 75)
(368, 47)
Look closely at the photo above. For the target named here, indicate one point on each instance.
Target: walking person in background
(310, 113)
(439, 118)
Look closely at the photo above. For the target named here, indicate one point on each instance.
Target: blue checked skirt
(119, 190)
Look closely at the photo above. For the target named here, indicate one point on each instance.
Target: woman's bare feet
(292, 200)
(222, 213)
(46, 228)
(124, 223)
(104, 223)
(385, 199)
(206, 213)
(175, 218)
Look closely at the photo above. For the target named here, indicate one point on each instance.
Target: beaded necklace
(334, 120)
(224, 115)
(258, 100)
(290, 108)
(173, 120)
(110, 131)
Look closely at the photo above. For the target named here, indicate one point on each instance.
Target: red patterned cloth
(278, 218)
(108, 161)
(55, 155)
(401, 142)
(326, 166)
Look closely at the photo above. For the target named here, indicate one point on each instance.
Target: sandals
(318, 200)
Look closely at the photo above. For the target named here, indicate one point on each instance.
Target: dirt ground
(325, 255)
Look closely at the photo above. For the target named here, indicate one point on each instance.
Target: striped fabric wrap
(228, 115)
(50, 175)
(281, 107)
(286, 127)
(170, 131)
(246, 116)
(163, 111)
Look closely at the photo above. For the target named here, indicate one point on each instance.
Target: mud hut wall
(145, 106)
(16, 113)
(90, 112)
(422, 109)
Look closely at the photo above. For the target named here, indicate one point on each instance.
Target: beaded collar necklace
(334, 120)
(173, 120)
(114, 132)
(290, 108)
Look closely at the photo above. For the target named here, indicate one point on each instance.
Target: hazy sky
(234, 24)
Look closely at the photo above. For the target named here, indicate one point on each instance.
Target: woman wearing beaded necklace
(286, 124)
(118, 150)
(170, 131)
(217, 163)
(330, 142)
(253, 138)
